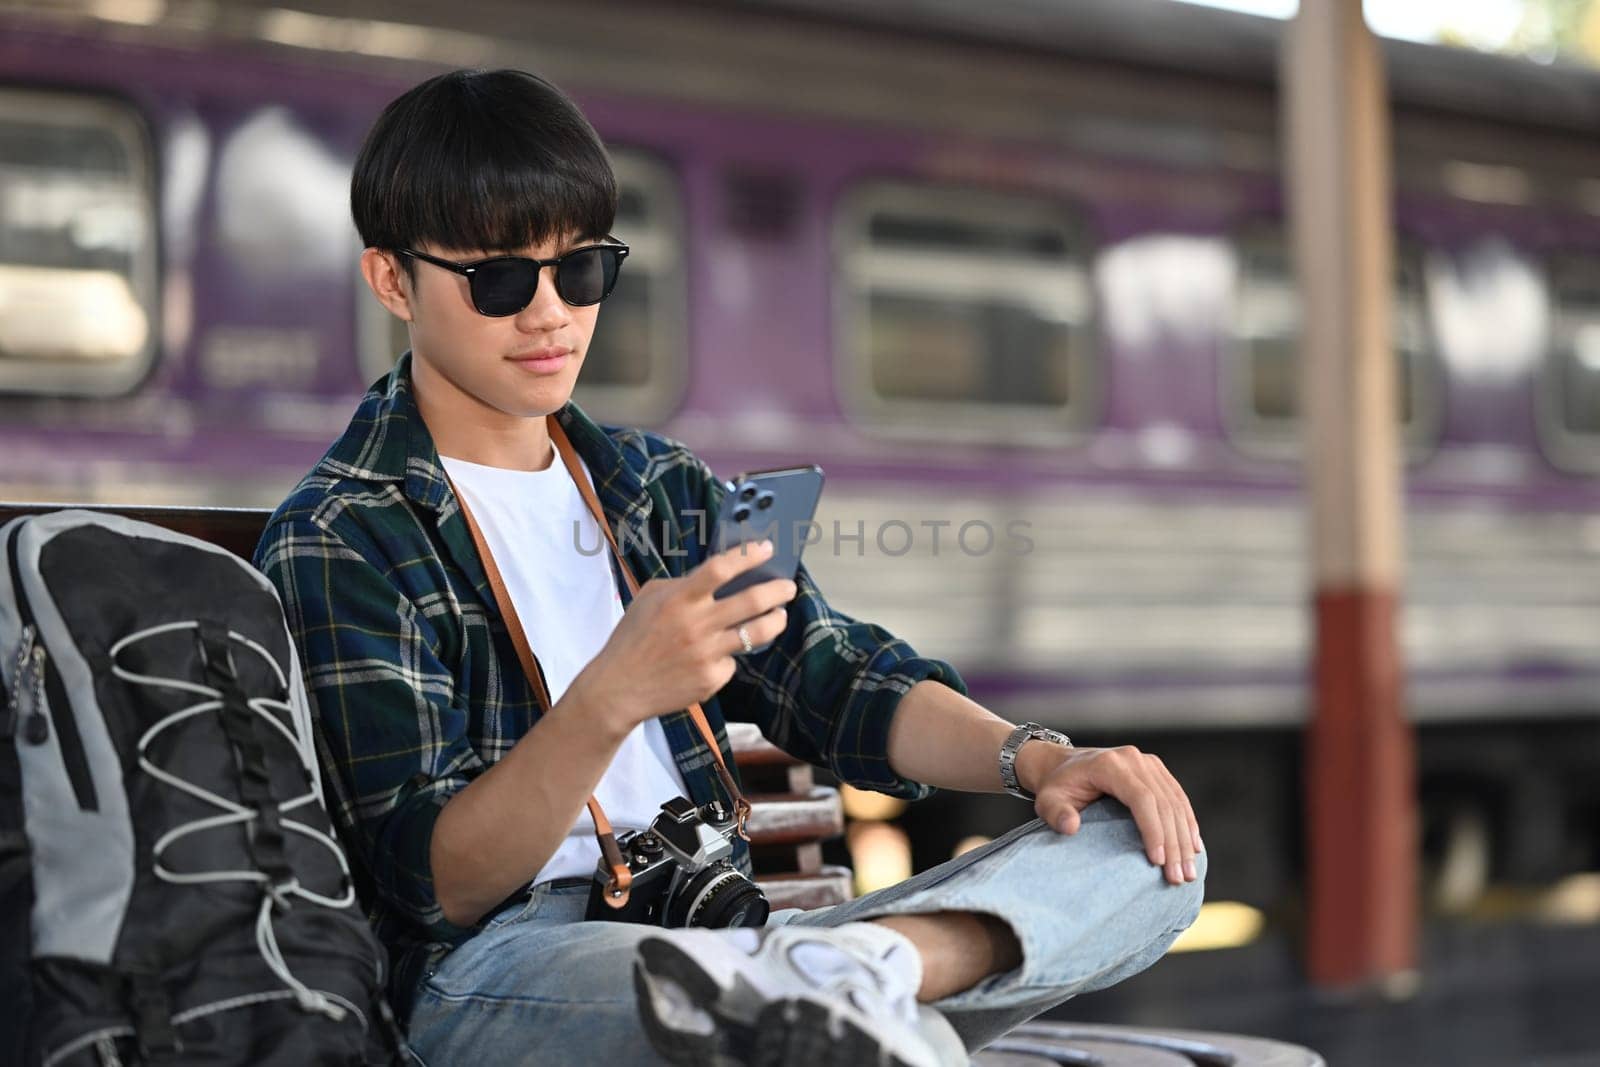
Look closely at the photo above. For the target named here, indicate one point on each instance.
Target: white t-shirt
(568, 604)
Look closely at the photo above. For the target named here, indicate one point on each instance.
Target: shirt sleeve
(391, 726)
(828, 687)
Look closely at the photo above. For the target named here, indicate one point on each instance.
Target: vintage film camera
(683, 874)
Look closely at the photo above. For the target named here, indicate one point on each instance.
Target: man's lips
(542, 360)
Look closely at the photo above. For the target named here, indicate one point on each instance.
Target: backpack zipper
(48, 694)
(27, 676)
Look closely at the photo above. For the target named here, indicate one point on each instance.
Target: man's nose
(546, 310)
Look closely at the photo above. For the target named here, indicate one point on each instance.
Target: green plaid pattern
(414, 683)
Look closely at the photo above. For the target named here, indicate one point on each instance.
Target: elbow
(455, 903)
(449, 893)
(455, 911)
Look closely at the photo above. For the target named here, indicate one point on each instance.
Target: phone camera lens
(747, 493)
(741, 513)
(764, 501)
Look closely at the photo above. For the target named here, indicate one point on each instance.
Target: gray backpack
(170, 887)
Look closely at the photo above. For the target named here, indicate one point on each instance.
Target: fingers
(1179, 849)
(760, 630)
(747, 604)
(1153, 810)
(1058, 811)
(753, 602)
(1185, 827)
(1160, 808)
(1194, 823)
(717, 569)
(1145, 804)
(676, 642)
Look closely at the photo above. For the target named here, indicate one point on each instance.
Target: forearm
(497, 833)
(944, 739)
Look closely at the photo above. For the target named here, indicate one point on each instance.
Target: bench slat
(789, 818)
(830, 885)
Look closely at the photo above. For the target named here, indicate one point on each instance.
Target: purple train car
(1018, 281)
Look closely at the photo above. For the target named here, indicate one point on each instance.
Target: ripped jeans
(540, 986)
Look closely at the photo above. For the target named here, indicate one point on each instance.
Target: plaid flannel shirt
(414, 683)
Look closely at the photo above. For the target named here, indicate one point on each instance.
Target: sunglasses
(504, 285)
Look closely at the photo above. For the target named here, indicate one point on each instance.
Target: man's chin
(538, 408)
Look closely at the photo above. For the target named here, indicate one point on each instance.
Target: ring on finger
(744, 639)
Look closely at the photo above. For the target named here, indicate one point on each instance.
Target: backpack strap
(152, 1016)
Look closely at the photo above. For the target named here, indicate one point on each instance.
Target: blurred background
(1017, 275)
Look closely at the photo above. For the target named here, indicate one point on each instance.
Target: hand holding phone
(676, 641)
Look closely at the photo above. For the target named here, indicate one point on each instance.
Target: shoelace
(273, 896)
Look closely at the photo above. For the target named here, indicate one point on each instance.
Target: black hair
(493, 160)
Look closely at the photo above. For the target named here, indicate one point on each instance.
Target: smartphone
(775, 505)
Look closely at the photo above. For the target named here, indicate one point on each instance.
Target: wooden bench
(791, 815)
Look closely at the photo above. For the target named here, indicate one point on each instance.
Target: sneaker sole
(678, 997)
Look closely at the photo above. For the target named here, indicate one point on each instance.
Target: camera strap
(621, 877)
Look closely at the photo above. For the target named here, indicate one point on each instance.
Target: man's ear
(387, 281)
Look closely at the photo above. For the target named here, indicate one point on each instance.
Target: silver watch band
(1028, 731)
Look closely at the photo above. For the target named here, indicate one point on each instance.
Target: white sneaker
(783, 996)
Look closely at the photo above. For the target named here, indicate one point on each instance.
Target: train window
(634, 371)
(964, 305)
(78, 287)
(1573, 371)
(1262, 382)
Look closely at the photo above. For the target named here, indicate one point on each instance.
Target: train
(1015, 275)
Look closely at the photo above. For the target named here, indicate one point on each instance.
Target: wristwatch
(1028, 731)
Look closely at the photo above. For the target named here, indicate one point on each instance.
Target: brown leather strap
(569, 456)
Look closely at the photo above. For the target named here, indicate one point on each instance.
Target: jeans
(540, 986)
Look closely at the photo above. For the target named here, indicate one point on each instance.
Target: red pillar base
(1361, 797)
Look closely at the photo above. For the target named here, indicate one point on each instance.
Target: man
(463, 799)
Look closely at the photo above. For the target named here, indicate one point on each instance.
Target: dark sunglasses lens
(586, 277)
(504, 286)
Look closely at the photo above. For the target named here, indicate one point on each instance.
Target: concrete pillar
(1361, 794)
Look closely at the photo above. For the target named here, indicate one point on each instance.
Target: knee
(1174, 908)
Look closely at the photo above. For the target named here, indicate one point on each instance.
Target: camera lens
(764, 501)
(741, 513)
(718, 896)
(748, 492)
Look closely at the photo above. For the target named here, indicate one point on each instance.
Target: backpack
(170, 887)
